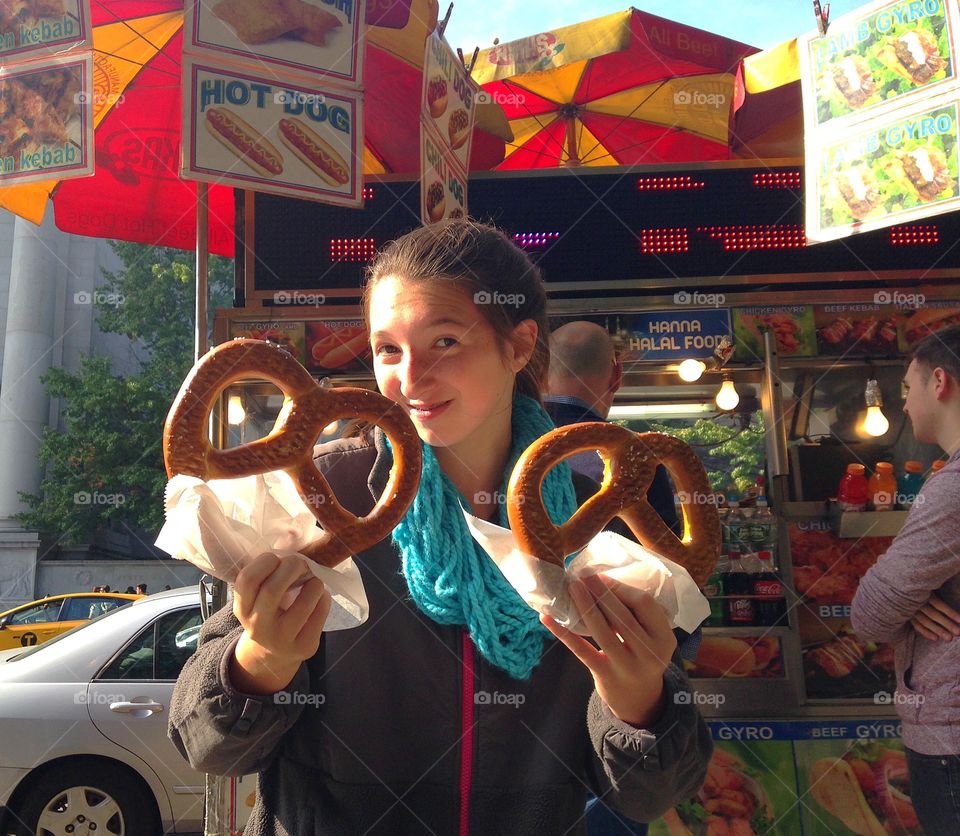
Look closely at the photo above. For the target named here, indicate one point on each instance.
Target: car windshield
(42, 646)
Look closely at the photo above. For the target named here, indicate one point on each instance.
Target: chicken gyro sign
(880, 93)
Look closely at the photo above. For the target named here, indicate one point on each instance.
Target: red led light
(367, 193)
(758, 237)
(914, 235)
(777, 180)
(665, 240)
(352, 249)
(668, 184)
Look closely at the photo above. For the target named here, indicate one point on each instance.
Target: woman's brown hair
(506, 286)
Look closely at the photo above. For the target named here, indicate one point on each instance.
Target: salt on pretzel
(631, 461)
(308, 408)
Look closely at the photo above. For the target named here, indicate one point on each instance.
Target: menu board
(736, 657)
(792, 325)
(280, 137)
(676, 334)
(33, 28)
(447, 115)
(837, 664)
(288, 335)
(48, 130)
(337, 345)
(294, 36)
(880, 94)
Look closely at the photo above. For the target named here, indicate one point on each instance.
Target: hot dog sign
(272, 136)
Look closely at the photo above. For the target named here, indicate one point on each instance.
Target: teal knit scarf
(449, 575)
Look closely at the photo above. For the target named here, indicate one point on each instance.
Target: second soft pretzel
(630, 462)
(308, 408)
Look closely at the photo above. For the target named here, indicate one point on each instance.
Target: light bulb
(690, 370)
(236, 414)
(728, 397)
(876, 423)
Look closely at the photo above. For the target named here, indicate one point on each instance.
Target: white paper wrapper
(544, 586)
(221, 525)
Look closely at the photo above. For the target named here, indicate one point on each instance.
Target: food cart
(671, 260)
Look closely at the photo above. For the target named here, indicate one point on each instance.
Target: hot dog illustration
(319, 156)
(341, 347)
(437, 96)
(436, 201)
(244, 141)
(458, 127)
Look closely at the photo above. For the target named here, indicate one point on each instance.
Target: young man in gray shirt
(910, 597)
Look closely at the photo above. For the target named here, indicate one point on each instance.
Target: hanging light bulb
(728, 397)
(690, 370)
(876, 423)
(236, 414)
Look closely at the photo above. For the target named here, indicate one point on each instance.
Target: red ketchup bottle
(853, 492)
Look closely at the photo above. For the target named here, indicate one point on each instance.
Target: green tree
(728, 454)
(105, 470)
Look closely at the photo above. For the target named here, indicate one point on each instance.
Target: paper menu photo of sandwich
(876, 55)
(901, 168)
(443, 183)
(856, 787)
(927, 320)
(449, 99)
(302, 36)
(279, 137)
(30, 28)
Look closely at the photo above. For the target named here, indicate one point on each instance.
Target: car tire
(101, 793)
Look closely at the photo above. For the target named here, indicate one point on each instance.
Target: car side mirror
(4, 622)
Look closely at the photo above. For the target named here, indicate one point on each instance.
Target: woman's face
(436, 356)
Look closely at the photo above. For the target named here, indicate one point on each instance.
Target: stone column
(24, 405)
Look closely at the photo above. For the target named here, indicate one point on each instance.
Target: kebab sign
(880, 94)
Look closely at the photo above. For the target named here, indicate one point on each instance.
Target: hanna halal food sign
(881, 93)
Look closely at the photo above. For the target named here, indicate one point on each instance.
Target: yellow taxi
(33, 623)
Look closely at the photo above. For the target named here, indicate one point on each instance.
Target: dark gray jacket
(370, 737)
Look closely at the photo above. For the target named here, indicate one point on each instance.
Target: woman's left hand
(635, 646)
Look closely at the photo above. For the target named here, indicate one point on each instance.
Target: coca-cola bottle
(769, 603)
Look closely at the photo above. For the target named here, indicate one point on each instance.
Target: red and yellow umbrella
(136, 193)
(626, 89)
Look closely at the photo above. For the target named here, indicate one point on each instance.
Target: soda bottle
(739, 595)
(882, 487)
(909, 484)
(852, 495)
(770, 605)
(936, 467)
(713, 590)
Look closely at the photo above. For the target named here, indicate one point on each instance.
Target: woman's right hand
(275, 642)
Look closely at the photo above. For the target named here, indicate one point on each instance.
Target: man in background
(911, 595)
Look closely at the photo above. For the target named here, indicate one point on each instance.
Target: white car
(83, 726)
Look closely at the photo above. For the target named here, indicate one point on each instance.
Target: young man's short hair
(941, 349)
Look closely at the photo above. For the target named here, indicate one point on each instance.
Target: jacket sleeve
(643, 777)
(922, 557)
(217, 729)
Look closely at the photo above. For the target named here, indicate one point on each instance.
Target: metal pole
(216, 819)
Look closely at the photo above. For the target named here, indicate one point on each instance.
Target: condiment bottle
(909, 484)
(852, 495)
(936, 467)
(882, 487)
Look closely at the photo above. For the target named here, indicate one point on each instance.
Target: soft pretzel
(308, 408)
(630, 462)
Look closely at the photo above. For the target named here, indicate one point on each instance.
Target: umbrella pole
(573, 159)
(200, 322)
